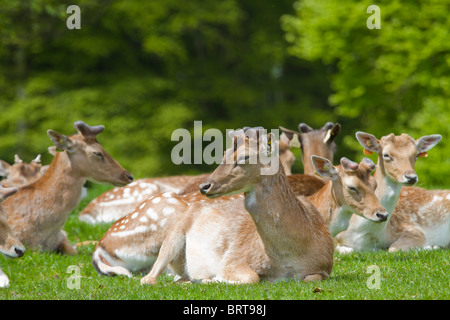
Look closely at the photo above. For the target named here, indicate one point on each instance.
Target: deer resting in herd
(38, 211)
(20, 173)
(396, 159)
(10, 246)
(115, 203)
(132, 243)
(292, 240)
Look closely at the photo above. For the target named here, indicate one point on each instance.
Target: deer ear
(332, 133)
(293, 137)
(369, 142)
(269, 144)
(62, 142)
(324, 167)
(6, 193)
(425, 143)
(304, 128)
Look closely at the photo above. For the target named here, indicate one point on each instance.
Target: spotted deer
(121, 253)
(20, 173)
(350, 190)
(320, 142)
(116, 203)
(421, 220)
(287, 239)
(10, 246)
(133, 242)
(395, 168)
(38, 211)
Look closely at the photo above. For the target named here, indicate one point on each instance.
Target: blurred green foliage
(146, 68)
(394, 79)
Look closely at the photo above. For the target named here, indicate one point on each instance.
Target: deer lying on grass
(291, 238)
(351, 189)
(421, 220)
(38, 211)
(132, 243)
(10, 246)
(396, 159)
(121, 252)
(21, 174)
(114, 204)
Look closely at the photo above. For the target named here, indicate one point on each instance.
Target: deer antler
(87, 130)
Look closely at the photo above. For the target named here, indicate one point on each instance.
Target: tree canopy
(146, 68)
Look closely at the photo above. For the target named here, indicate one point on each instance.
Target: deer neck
(308, 167)
(388, 190)
(278, 215)
(336, 216)
(61, 183)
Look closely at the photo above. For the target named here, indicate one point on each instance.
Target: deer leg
(65, 247)
(172, 246)
(241, 273)
(413, 239)
(4, 281)
(315, 277)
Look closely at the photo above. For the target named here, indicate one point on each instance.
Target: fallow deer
(287, 239)
(38, 211)
(421, 220)
(133, 242)
(350, 190)
(395, 168)
(21, 174)
(120, 250)
(10, 246)
(320, 142)
(116, 203)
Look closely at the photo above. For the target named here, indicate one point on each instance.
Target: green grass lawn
(403, 275)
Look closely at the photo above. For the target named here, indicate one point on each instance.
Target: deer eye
(243, 159)
(99, 154)
(352, 189)
(387, 157)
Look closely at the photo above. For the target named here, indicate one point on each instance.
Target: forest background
(146, 68)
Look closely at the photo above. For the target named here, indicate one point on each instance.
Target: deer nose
(382, 216)
(20, 252)
(129, 176)
(411, 178)
(204, 187)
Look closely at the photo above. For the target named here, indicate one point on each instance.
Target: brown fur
(38, 211)
(278, 216)
(396, 160)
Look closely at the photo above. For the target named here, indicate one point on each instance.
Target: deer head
(242, 165)
(314, 142)
(88, 157)
(353, 186)
(397, 155)
(9, 245)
